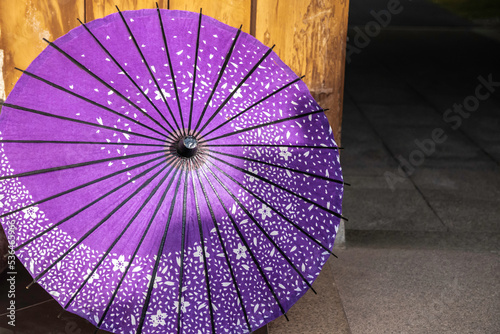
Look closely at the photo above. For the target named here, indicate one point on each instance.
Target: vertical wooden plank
(231, 12)
(253, 18)
(23, 24)
(310, 37)
(97, 9)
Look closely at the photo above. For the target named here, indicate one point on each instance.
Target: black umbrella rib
(262, 125)
(90, 101)
(205, 265)
(221, 73)
(226, 256)
(183, 240)
(172, 74)
(121, 68)
(150, 72)
(158, 258)
(253, 105)
(106, 253)
(118, 207)
(69, 119)
(254, 259)
(93, 75)
(81, 186)
(264, 145)
(223, 104)
(81, 164)
(153, 216)
(167, 141)
(274, 209)
(230, 193)
(278, 166)
(280, 187)
(87, 206)
(194, 72)
(75, 142)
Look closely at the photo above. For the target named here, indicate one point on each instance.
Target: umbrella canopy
(168, 173)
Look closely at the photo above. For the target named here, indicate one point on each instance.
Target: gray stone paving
(422, 255)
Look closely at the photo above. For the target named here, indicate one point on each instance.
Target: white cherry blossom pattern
(252, 178)
(184, 305)
(119, 264)
(159, 96)
(30, 212)
(265, 211)
(291, 210)
(237, 94)
(158, 318)
(157, 280)
(240, 252)
(199, 253)
(284, 153)
(92, 278)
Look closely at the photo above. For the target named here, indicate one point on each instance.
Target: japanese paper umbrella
(168, 173)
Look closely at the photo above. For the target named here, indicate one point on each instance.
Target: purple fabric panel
(270, 236)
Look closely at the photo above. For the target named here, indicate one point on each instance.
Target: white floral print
(157, 280)
(93, 277)
(119, 264)
(265, 211)
(252, 178)
(237, 94)
(30, 212)
(240, 252)
(199, 253)
(158, 318)
(158, 95)
(284, 153)
(184, 305)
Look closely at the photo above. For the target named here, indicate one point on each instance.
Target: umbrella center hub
(187, 146)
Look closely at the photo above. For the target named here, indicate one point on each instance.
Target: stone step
(315, 314)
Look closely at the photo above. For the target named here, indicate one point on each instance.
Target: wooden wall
(310, 35)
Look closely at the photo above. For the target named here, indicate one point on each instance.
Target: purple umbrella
(168, 173)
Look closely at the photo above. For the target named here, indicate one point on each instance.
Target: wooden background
(310, 35)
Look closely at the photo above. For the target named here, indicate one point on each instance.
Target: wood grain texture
(23, 24)
(231, 12)
(96, 9)
(310, 37)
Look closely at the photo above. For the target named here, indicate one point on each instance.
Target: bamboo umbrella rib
(226, 256)
(158, 257)
(82, 186)
(122, 70)
(230, 96)
(106, 253)
(254, 104)
(254, 259)
(274, 209)
(87, 206)
(146, 230)
(194, 73)
(216, 85)
(119, 94)
(151, 74)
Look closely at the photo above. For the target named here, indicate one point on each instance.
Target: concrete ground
(415, 291)
(422, 248)
(400, 90)
(423, 243)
